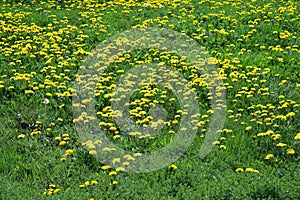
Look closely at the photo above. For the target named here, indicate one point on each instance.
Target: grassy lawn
(254, 46)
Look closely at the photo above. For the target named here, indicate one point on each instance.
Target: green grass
(262, 92)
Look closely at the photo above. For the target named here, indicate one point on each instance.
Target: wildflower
(116, 160)
(116, 136)
(29, 92)
(173, 167)
(248, 128)
(56, 190)
(69, 151)
(129, 157)
(137, 154)
(62, 143)
(115, 182)
(275, 136)
(98, 142)
(269, 156)
(239, 170)
(57, 138)
(93, 152)
(291, 151)
(105, 167)
(107, 149)
(46, 101)
(297, 137)
(21, 136)
(222, 147)
(216, 142)
(112, 173)
(290, 114)
(120, 169)
(223, 32)
(249, 169)
(280, 145)
(94, 182)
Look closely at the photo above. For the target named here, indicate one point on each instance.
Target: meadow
(255, 48)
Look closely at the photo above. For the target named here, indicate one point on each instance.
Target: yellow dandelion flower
(269, 156)
(239, 170)
(93, 152)
(65, 135)
(114, 182)
(281, 145)
(137, 154)
(106, 149)
(126, 163)
(105, 167)
(116, 136)
(112, 128)
(129, 157)
(94, 182)
(290, 151)
(57, 138)
(21, 136)
(275, 136)
(48, 94)
(116, 160)
(249, 169)
(297, 137)
(56, 190)
(29, 92)
(62, 143)
(248, 128)
(112, 173)
(90, 145)
(216, 142)
(173, 167)
(69, 151)
(223, 32)
(120, 169)
(97, 142)
(290, 114)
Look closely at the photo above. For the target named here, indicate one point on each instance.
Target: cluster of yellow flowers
(51, 190)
